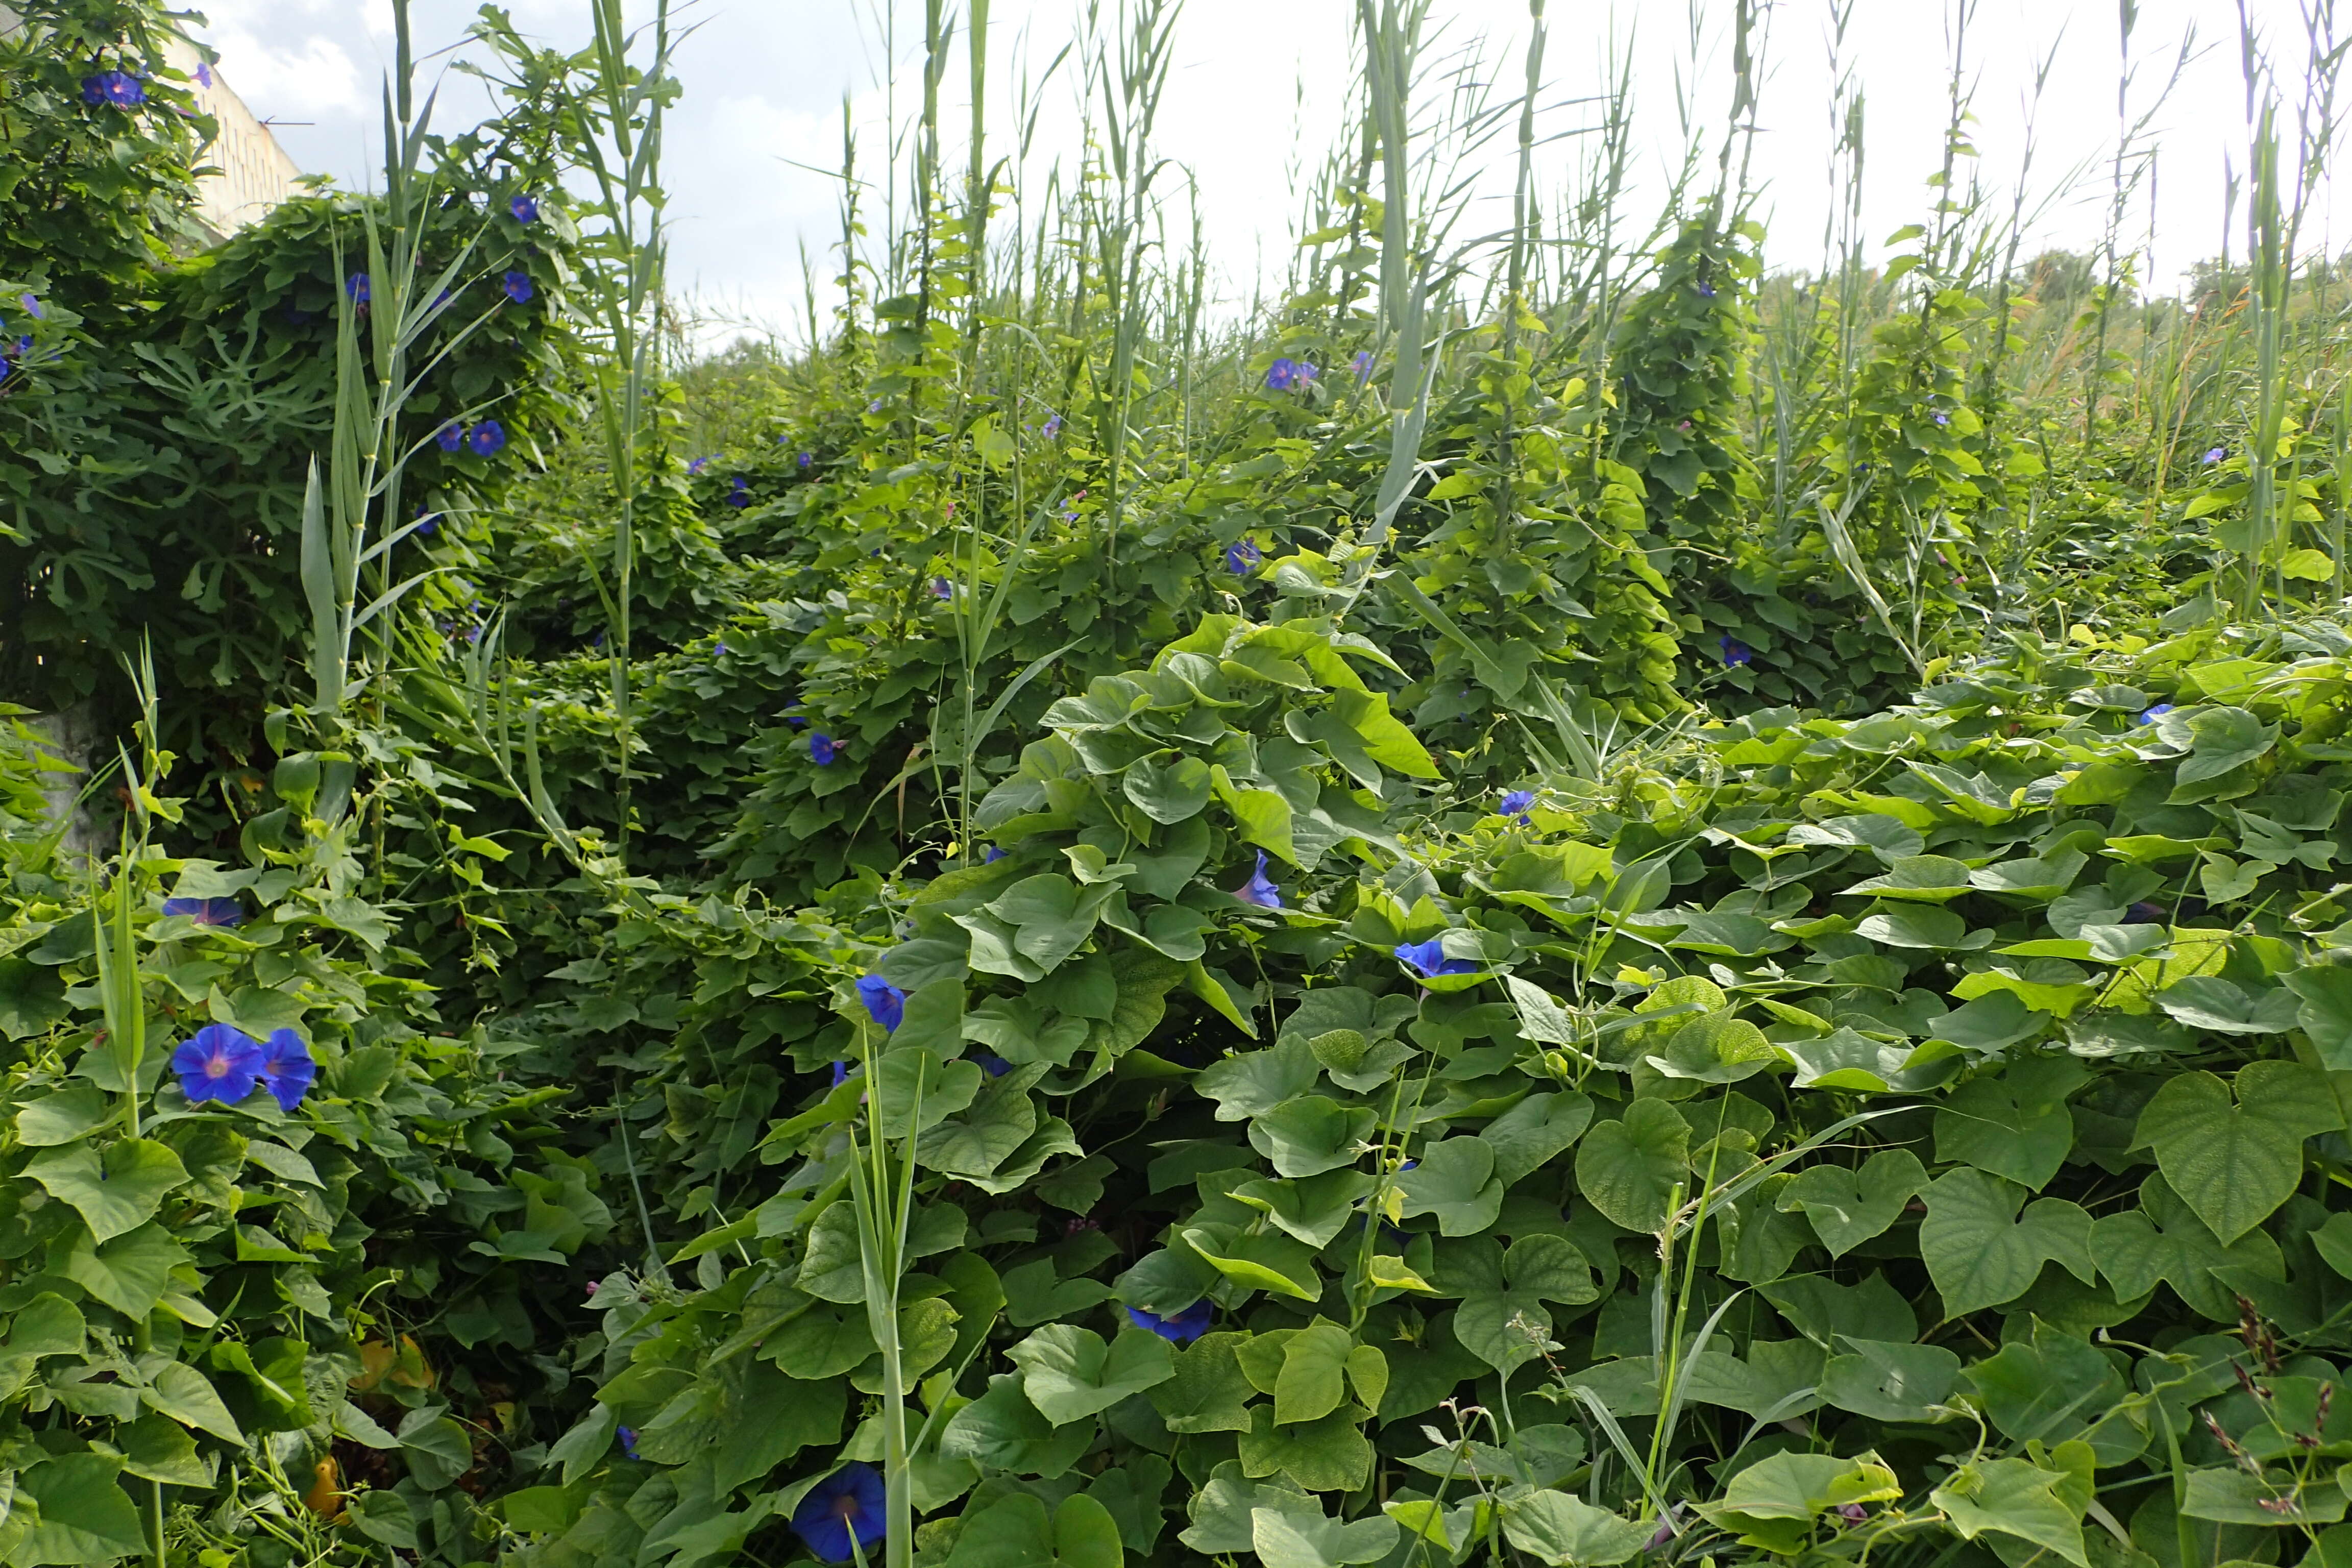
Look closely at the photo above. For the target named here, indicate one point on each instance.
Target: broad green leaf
(2039, 877)
(47, 1325)
(2228, 1494)
(62, 1116)
(115, 1195)
(1004, 1430)
(2163, 1240)
(1275, 1263)
(156, 1449)
(766, 1418)
(1550, 1268)
(2221, 1006)
(1313, 1380)
(1829, 1313)
(1629, 1168)
(1222, 1510)
(1331, 1454)
(1887, 837)
(1774, 1380)
(1565, 1531)
(1016, 1532)
(1920, 926)
(2325, 1014)
(2015, 1124)
(1716, 1048)
(1314, 1209)
(1069, 1374)
(1534, 1131)
(1207, 1392)
(1285, 1539)
(83, 1517)
(1929, 878)
(1847, 1207)
(1455, 1181)
(1886, 1381)
(1980, 1253)
(2223, 739)
(1990, 1023)
(185, 1394)
(1251, 1083)
(1311, 1134)
(2235, 1164)
(129, 1273)
(2013, 1496)
(1169, 793)
(2054, 1388)
(1727, 935)
(1800, 1485)
(1848, 1061)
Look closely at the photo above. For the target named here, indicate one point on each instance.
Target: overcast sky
(1257, 94)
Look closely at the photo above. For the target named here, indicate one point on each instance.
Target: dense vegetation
(1566, 901)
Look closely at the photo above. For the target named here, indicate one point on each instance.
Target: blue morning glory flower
(1244, 558)
(430, 526)
(2216, 455)
(843, 1514)
(995, 1067)
(524, 209)
(1258, 890)
(696, 465)
(286, 1069)
(1734, 652)
(942, 589)
(33, 306)
(1052, 427)
(1429, 958)
(2151, 715)
(450, 436)
(4, 368)
(840, 1074)
(1362, 365)
(741, 496)
(1942, 418)
(1278, 374)
(885, 1000)
(297, 316)
(218, 1062)
(203, 74)
(823, 749)
(1516, 802)
(1707, 290)
(1178, 1328)
(486, 437)
(517, 287)
(207, 911)
(358, 287)
(875, 407)
(119, 88)
(802, 461)
(992, 857)
(628, 1435)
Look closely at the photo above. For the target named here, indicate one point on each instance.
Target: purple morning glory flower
(1516, 802)
(942, 589)
(1707, 290)
(628, 1435)
(697, 464)
(1942, 418)
(286, 1069)
(119, 88)
(2150, 715)
(207, 911)
(741, 496)
(1258, 890)
(1429, 958)
(1244, 558)
(4, 368)
(885, 1000)
(992, 857)
(823, 749)
(203, 74)
(1280, 373)
(33, 305)
(525, 210)
(1734, 652)
(218, 1062)
(2216, 455)
(840, 1074)
(450, 436)
(517, 287)
(1177, 1328)
(995, 1067)
(430, 526)
(875, 407)
(1362, 365)
(843, 1515)
(358, 288)
(1052, 427)
(487, 437)
(802, 461)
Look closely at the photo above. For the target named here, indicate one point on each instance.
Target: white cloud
(296, 76)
